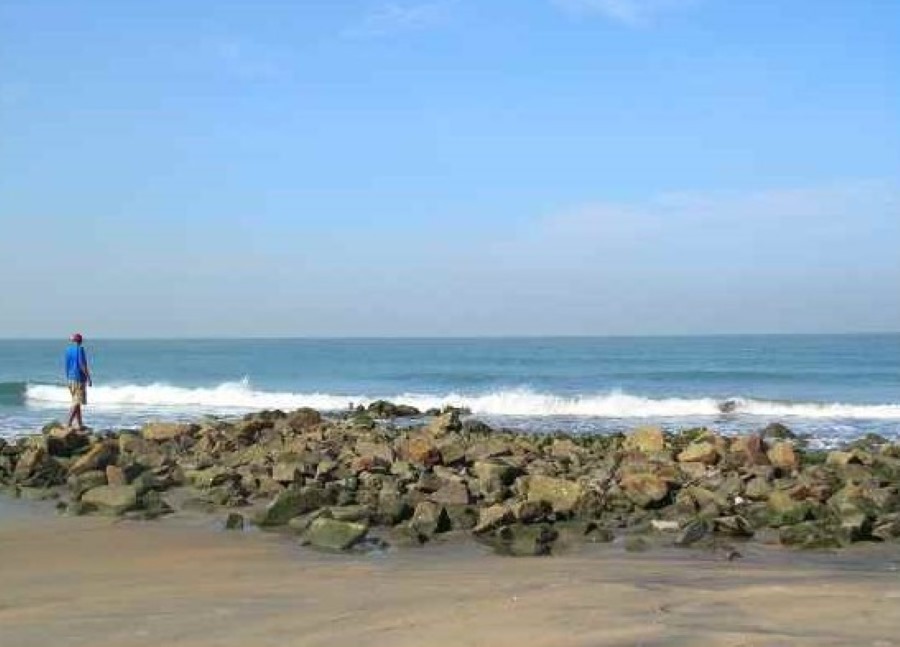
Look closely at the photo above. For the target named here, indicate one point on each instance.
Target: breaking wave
(241, 396)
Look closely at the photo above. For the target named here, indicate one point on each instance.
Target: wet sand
(97, 582)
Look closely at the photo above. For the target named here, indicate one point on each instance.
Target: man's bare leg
(75, 414)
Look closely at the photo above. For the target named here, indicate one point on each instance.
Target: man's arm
(84, 367)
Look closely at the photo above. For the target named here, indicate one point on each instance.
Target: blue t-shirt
(75, 360)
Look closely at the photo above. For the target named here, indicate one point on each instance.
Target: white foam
(240, 396)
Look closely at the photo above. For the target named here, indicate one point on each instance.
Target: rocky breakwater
(358, 480)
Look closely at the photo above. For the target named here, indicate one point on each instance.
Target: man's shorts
(78, 391)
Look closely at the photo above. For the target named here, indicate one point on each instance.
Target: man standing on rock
(79, 378)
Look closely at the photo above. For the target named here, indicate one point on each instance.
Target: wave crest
(240, 396)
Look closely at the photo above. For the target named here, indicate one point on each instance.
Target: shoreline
(391, 475)
(354, 530)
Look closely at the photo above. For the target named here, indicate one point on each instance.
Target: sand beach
(181, 582)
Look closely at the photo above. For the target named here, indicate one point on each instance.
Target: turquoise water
(832, 386)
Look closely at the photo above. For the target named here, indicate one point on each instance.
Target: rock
(62, 441)
(404, 471)
(462, 517)
(211, 477)
(97, 457)
(779, 431)
(698, 500)
(234, 521)
(392, 507)
(357, 513)
(566, 449)
(475, 427)
(303, 419)
(152, 505)
(445, 423)
(562, 495)
(531, 511)
(750, 449)
(115, 475)
(378, 453)
(111, 499)
(422, 450)
(734, 526)
(331, 534)
(757, 489)
(36, 467)
(839, 459)
(291, 503)
(635, 544)
(287, 472)
(165, 431)
(786, 511)
(493, 517)
(648, 440)
(522, 541)
(490, 447)
(887, 527)
(660, 525)
(493, 476)
(782, 455)
(699, 452)
(645, 490)
(694, 531)
(451, 493)
(80, 483)
(385, 409)
(429, 519)
(452, 449)
(810, 535)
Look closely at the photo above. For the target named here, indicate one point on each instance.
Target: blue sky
(449, 167)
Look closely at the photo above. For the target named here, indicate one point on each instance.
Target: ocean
(833, 387)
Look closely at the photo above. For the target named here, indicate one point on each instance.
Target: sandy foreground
(91, 581)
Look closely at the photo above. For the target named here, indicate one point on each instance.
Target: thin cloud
(793, 225)
(629, 12)
(400, 17)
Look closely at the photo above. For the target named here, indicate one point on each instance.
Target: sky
(449, 167)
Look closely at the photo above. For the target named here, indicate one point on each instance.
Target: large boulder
(430, 518)
(385, 409)
(392, 506)
(331, 534)
(445, 423)
(287, 471)
(811, 535)
(421, 450)
(375, 453)
(452, 492)
(303, 419)
(493, 476)
(289, 504)
(562, 495)
(97, 457)
(784, 510)
(164, 431)
(644, 489)
(64, 441)
(520, 540)
(492, 517)
(749, 450)
(782, 455)
(111, 499)
(699, 452)
(648, 440)
(35, 467)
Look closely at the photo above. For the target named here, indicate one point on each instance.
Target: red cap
(77, 338)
